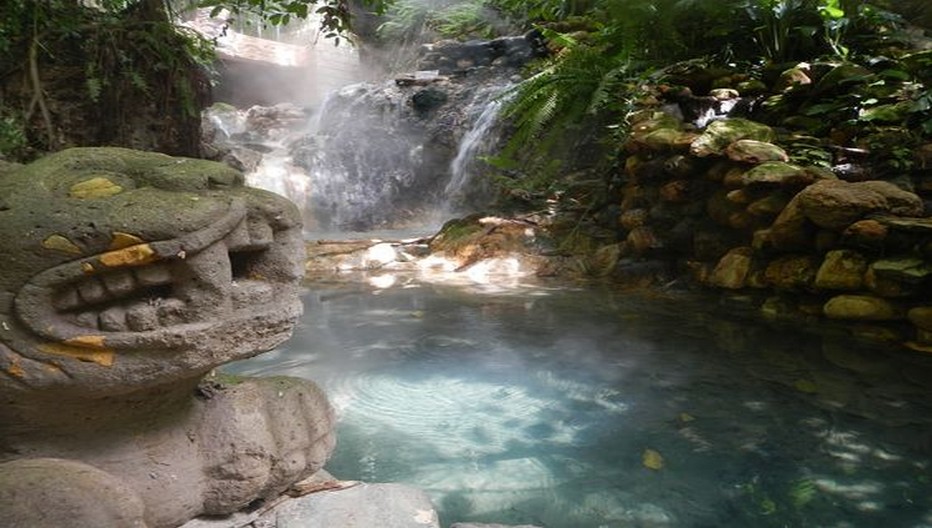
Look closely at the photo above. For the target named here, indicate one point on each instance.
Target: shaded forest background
(122, 72)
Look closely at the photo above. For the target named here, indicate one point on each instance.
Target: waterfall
(476, 141)
(384, 156)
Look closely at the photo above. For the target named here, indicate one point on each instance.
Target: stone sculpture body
(125, 278)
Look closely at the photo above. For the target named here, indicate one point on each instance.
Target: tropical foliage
(597, 68)
(120, 52)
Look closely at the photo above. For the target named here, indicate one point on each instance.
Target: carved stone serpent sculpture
(125, 279)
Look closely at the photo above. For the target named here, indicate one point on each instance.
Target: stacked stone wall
(799, 242)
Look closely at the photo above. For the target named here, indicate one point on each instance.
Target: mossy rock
(722, 133)
(776, 173)
(906, 269)
(753, 151)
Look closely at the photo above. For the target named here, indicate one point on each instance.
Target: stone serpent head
(123, 270)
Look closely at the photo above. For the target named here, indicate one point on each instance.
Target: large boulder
(836, 204)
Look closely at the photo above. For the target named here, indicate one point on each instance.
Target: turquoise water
(547, 405)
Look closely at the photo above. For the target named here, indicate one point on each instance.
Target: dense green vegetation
(96, 63)
(610, 56)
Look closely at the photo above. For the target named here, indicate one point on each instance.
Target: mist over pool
(575, 408)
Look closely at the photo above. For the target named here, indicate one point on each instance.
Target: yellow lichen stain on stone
(16, 371)
(87, 268)
(87, 341)
(60, 243)
(124, 240)
(103, 358)
(98, 187)
(138, 255)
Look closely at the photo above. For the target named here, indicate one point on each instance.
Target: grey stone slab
(478, 525)
(362, 506)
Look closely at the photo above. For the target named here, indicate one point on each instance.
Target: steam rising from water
(535, 406)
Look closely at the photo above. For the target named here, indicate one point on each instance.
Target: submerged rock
(362, 506)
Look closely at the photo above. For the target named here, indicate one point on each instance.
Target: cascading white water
(374, 159)
(476, 141)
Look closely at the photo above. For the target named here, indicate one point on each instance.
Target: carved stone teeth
(87, 320)
(202, 284)
(66, 299)
(92, 290)
(203, 280)
(113, 319)
(142, 316)
(119, 283)
(153, 275)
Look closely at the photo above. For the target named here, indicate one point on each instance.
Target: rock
(680, 166)
(776, 173)
(242, 159)
(861, 308)
(753, 151)
(362, 506)
(751, 87)
(836, 204)
(7, 166)
(793, 77)
(885, 287)
(891, 114)
(791, 230)
(732, 270)
(733, 178)
(720, 209)
(792, 272)
(842, 78)
(676, 191)
(633, 218)
(722, 133)
(917, 226)
(921, 316)
(659, 132)
(865, 234)
(841, 270)
(428, 99)
(905, 269)
(67, 493)
(479, 525)
(769, 206)
(739, 196)
(642, 240)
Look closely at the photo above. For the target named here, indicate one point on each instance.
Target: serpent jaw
(166, 293)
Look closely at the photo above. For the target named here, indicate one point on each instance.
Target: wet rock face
(383, 154)
(126, 277)
(450, 56)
